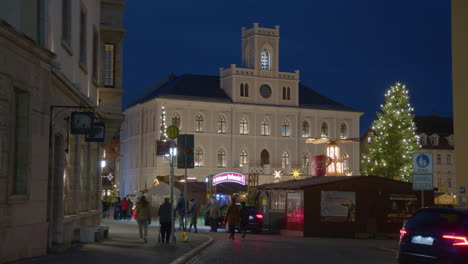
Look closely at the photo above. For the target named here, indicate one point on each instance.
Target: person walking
(244, 219)
(232, 217)
(165, 220)
(129, 209)
(193, 211)
(117, 209)
(215, 214)
(143, 217)
(123, 209)
(105, 208)
(180, 209)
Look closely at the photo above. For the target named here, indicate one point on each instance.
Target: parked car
(435, 235)
(255, 224)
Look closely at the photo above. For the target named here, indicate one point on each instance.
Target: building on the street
(460, 93)
(346, 206)
(435, 136)
(55, 59)
(249, 119)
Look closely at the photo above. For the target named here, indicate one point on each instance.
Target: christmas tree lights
(393, 139)
(163, 127)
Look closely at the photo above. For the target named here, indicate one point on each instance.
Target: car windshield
(436, 220)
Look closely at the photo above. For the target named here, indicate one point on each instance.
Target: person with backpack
(143, 217)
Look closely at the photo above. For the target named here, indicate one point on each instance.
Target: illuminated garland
(163, 127)
(393, 138)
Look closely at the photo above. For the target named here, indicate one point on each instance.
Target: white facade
(283, 141)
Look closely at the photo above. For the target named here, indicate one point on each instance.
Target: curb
(187, 256)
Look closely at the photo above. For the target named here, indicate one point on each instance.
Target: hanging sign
(229, 177)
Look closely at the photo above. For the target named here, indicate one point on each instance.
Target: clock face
(265, 91)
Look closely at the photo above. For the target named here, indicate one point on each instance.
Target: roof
(207, 88)
(315, 180)
(434, 124)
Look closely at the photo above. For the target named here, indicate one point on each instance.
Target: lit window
(244, 129)
(221, 125)
(343, 130)
(449, 159)
(265, 128)
(109, 64)
(439, 158)
(285, 160)
(285, 131)
(324, 130)
(199, 162)
(265, 60)
(305, 160)
(22, 120)
(243, 158)
(305, 129)
(221, 158)
(176, 120)
(199, 123)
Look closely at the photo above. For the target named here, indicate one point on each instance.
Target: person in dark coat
(180, 209)
(244, 219)
(117, 209)
(165, 220)
(143, 217)
(193, 211)
(232, 217)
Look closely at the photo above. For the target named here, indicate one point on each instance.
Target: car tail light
(402, 233)
(259, 216)
(457, 240)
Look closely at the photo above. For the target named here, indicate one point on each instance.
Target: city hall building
(252, 119)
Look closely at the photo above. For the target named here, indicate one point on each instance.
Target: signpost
(172, 132)
(422, 173)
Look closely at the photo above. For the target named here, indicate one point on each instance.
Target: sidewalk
(124, 246)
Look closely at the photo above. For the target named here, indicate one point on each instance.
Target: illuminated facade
(250, 119)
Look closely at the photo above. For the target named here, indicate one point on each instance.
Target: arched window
(221, 125)
(199, 123)
(246, 90)
(305, 132)
(305, 160)
(285, 160)
(288, 94)
(264, 157)
(284, 93)
(199, 162)
(221, 158)
(244, 129)
(285, 131)
(324, 130)
(265, 60)
(242, 93)
(176, 120)
(343, 130)
(243, 158)
(265, 129)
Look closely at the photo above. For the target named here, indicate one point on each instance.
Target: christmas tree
(393, 138)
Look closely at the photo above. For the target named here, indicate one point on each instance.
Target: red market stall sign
(229, 177)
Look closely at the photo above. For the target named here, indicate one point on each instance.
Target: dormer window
(265, 60)
(434, 140)
(422, 139)
(450, 140)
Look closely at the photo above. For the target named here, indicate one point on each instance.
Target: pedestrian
(232, 217)
(143, 217)
(165, 220)
(117, 209)
(123, 209)
(193, 211)
(129, 210)
(105, 208)
(180, 209)
(244, 219)
(215, 214)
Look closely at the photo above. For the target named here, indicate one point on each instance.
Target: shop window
(278, 200)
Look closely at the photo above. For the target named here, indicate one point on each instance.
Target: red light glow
(402, 233)
(457, 240)
(259, 216)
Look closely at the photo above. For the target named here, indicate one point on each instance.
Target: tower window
(244, 90)
(343, 130)
(265, 60)
(109, 64)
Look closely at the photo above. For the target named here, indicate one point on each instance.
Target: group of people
(192, 212)
(235, 216)
(122, 208)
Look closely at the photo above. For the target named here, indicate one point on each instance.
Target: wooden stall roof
(314, 180)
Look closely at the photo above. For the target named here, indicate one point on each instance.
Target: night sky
(350, 51)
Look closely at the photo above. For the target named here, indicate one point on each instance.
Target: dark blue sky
(350, 51)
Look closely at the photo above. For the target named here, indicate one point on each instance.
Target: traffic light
(185, 144)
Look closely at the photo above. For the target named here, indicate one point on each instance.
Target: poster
(294, 211)
(401, 207)
(338, 206)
